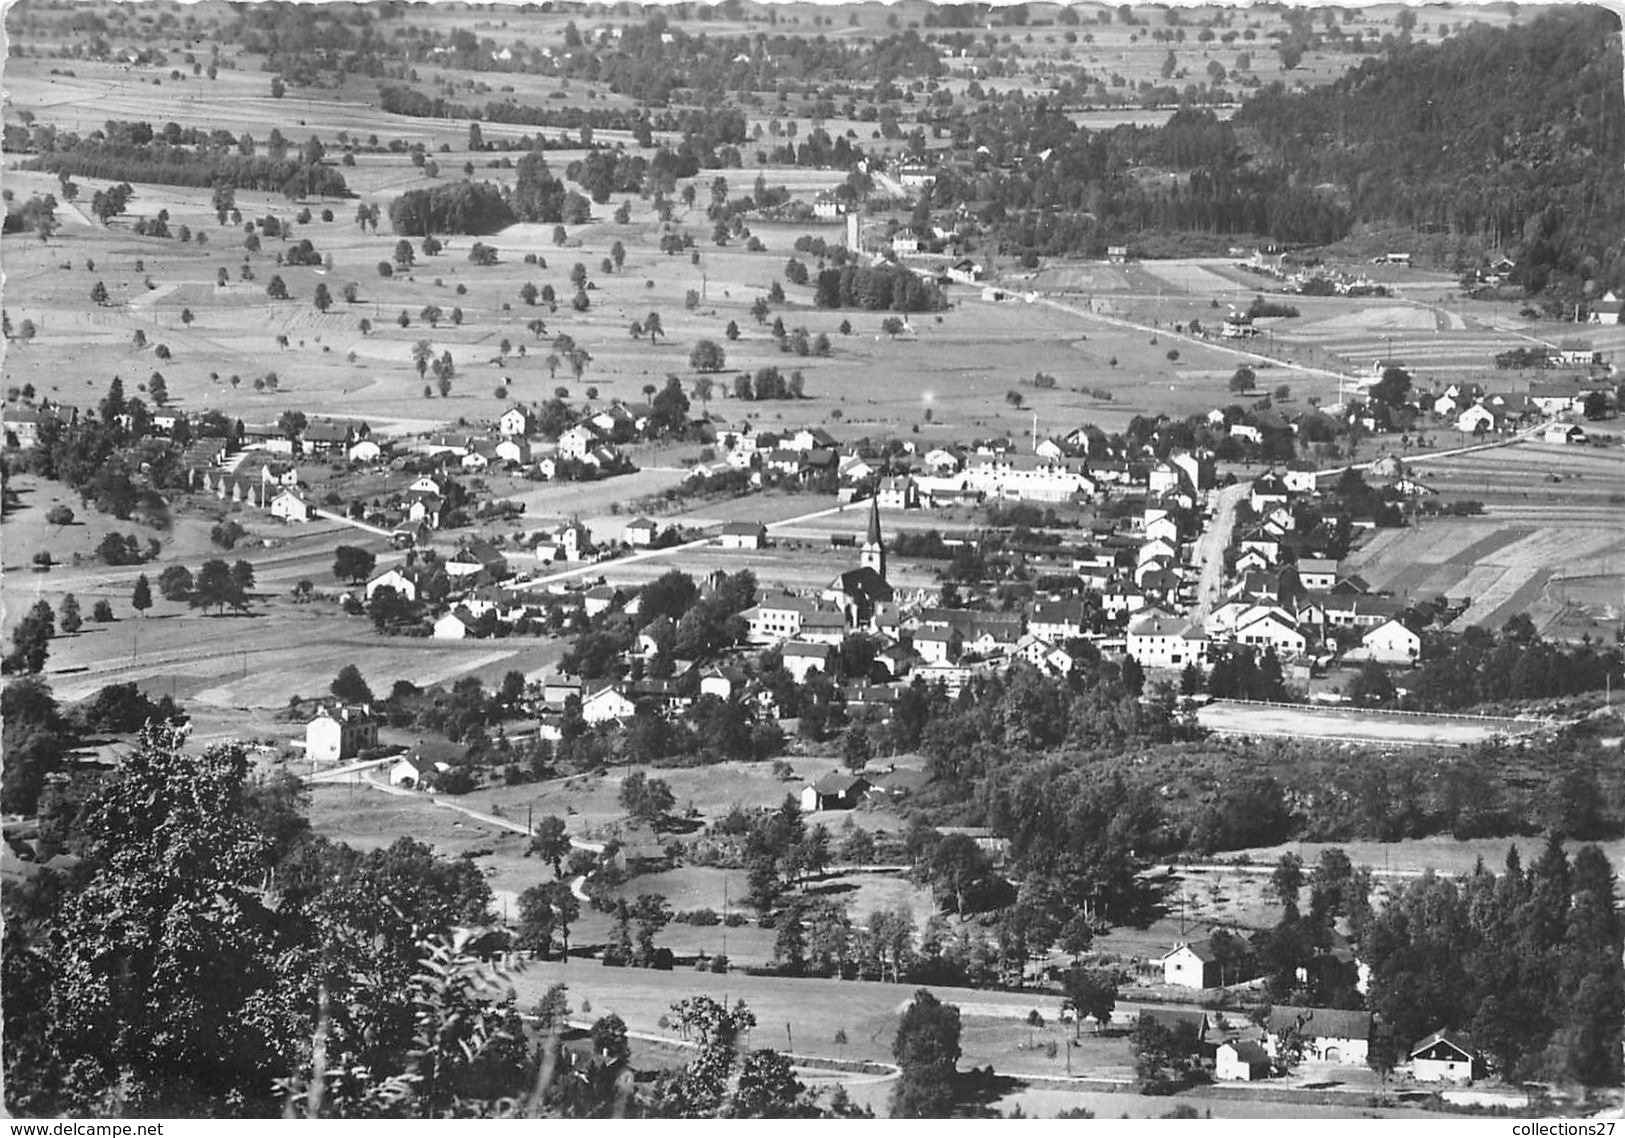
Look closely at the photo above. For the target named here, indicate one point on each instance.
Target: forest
(1515, 135)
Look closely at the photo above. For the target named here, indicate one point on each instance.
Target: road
(1344, 379)
(1212, 546)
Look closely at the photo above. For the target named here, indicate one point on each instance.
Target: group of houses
(1290, 1033)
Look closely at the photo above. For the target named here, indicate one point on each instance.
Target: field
(1549, 544)
(1283, 721)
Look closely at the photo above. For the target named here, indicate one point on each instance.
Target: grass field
(1552, 513)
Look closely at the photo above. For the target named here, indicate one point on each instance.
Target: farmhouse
(744, 535)
(406, 580)
(1329, 1035)
(1444, 1057)
(1563, 433)
(333, 737)
(477, 557)
(835, 791)
(1193, 1020)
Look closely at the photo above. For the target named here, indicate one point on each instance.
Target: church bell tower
(874, 550)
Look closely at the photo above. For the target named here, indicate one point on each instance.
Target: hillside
(1514, 136)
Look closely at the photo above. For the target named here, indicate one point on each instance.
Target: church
(858, 591)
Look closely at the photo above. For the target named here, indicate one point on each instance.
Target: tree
(707, 356)
(98, 293)
(1090, 992)
(175, 583)
(349, 686)
(1287, 880)
(276, 289)
(69, 618)
(551, 842)
(176, 897)
(1244, 379)
(422, 356)
(927, 1052)
(653, 327)
(217, 585)
(322, 299)
(405, 256)
(141, 596)
(352, 563)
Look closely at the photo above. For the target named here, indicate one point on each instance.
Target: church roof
(874, 522)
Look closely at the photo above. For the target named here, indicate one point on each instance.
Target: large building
(333, 737)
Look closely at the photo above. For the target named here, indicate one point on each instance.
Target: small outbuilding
(835, 791)
(1241, 1061)
(1444, 1057)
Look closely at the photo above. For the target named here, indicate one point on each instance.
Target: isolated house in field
(332, 736)
(835, 791)
(1444, 1057)
(642, 532)
(1241, 1061)
(743, 535)
(1191, 964)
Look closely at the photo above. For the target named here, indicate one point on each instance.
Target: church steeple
(874, 549)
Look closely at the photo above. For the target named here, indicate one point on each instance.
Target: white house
(1191, 964)
(1271, 630)
(578, 441)
(514, 421)
(641, 532)
(424, 484)
(364, 450)
(743, 535)
(290, 507)
(1391, 642)
(1477, 418)
(1328, 1035)
(1241, 1061)
(1562, 433)
(1158, 640)
(1443, 1057)
(606, 703)
(801, 659)
(458, 624)
(1317, 574)
(331, 738)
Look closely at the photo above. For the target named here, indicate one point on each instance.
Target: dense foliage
(1514, 134)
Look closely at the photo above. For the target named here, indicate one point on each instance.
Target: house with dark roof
(1329, 1035)
(835, 791)
(1241, 1061)
(744, 535)
(1191, 964)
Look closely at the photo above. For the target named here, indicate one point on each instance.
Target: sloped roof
(1320, 1023)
